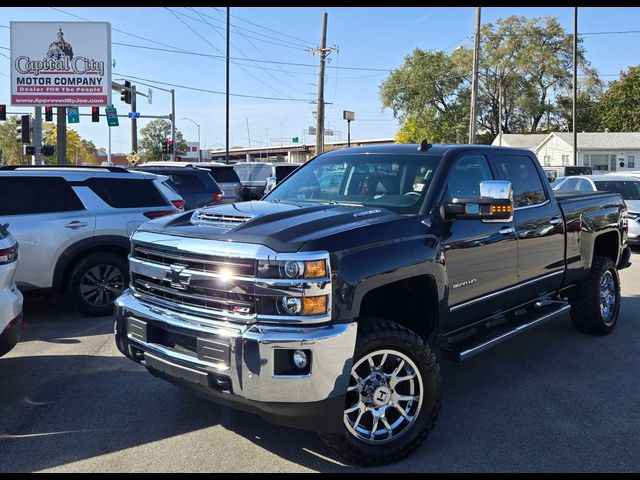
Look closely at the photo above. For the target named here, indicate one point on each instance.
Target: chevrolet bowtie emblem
(178, 279)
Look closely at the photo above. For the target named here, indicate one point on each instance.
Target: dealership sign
(60, 63)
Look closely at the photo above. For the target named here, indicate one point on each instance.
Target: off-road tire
(374, 334)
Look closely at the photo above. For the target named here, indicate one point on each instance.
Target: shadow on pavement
(550, 400)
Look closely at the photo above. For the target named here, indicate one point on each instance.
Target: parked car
(195, 185)
(226, 178)
(73, 226)
(554, 172)
(323, 309)
(163, 183)
(254, 176)
(628, 186)
(10, 296)
(282, 170)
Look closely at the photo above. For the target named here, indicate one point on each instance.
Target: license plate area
(210, 349)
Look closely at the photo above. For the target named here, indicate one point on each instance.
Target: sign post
(349, 116)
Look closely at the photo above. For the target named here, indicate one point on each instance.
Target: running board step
(472, 345)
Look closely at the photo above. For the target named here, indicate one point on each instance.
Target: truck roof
(413, 148)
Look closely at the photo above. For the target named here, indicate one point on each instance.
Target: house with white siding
(603, 151)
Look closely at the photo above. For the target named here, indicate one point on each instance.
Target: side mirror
(495, 203)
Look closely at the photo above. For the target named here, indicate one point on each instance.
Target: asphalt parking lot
(550, 400)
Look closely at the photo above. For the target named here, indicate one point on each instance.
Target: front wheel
(595, 305)
(393, 397)
(96, 281)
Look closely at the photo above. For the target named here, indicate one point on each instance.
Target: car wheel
(96, 281)
(393, 397)
(595, 304)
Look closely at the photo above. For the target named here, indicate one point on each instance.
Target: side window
(466, 174)
(523, 175)
(183, 180)
(28, 195)
(584, 186)
(122, 193)
(569, 185)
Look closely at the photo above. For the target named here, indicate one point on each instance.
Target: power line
(216, 48)
(269, 29)
(242, 53)
(210, 91)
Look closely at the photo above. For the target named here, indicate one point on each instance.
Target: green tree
(619, 108)
(525, 68)
(9, 146)
(152, 136)
(79, 151)
(429, 93)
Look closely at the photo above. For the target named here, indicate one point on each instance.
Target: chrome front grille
(210, 285)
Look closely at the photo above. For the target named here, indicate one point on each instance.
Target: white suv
(10, 296)
(73, 226)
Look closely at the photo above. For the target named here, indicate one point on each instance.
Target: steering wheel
(417, 194)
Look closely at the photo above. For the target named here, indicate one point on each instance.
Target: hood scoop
(218, 219)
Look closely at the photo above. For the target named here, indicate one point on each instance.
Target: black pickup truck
(328, 305)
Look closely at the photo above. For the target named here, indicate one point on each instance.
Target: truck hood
(283, 227)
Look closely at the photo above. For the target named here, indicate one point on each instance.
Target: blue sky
(367, 37)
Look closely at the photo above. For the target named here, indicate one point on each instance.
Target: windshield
(253, 172)
(394, 181)
(629, 189)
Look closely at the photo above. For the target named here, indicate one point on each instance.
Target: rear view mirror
(494, 204)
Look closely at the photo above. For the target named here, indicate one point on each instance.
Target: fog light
(300, 359)
(292, 305)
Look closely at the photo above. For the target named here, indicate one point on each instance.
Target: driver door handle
(75, 225)
(506, 230)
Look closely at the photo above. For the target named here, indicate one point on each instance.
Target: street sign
(133, 158)
(112, 116)
(348, 115)
(134, 114)
(295, 139)
(73, 115)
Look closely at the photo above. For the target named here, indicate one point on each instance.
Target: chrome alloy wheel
(607, 297)
(384, 396)
(101, 284)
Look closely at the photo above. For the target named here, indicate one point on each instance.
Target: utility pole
(474, 86)
(226, 154)
(173, 125)
(575, 85)
(37, 135)
(324, 52)
(61, 134)
(134, 121)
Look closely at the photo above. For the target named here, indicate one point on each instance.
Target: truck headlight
(293, 269)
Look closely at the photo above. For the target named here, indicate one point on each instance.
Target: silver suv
(10, 296)
(73, 225)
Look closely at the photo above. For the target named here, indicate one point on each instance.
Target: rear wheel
(393, 396)
(96, 281)
(595, 304)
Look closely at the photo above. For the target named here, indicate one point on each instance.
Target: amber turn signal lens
(315, 269)
(501, 209)
(314, 305)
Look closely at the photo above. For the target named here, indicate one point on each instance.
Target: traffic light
(125, 93)
(3, 112)
(23, 129)
(48, 114)
(164, 146)
(95, 114)
(170, 145)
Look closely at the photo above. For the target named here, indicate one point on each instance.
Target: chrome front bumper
(249, 373)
